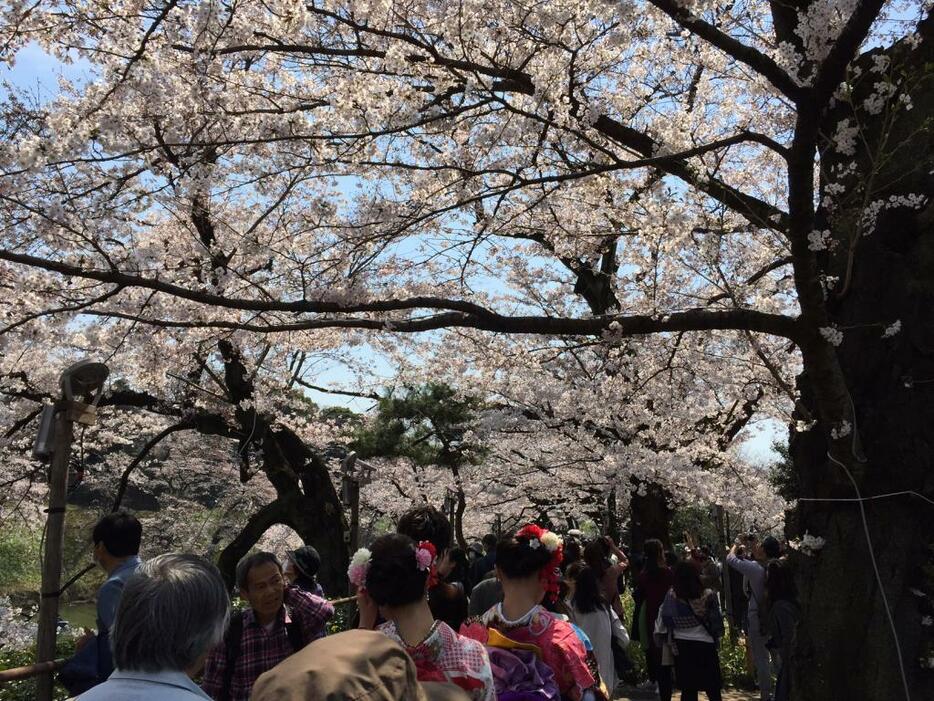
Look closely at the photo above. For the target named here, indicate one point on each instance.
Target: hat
(306, 560)
(358, 665)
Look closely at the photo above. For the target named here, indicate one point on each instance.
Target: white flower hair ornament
(551, 541)
(359, 566)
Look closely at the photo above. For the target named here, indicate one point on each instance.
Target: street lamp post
(56, 433)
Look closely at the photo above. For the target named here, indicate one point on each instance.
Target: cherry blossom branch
(833, 69)
(623, 325)
(462, 314)
(342, 392)
(748, 55)
(146, 449)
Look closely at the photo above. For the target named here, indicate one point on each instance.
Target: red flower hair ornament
(426, 559)
(537, 537)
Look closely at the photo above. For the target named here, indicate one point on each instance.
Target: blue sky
(38, 73)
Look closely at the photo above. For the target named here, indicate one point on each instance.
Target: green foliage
(343, 618)
(22, 558)
(427, 424)
(342, 416)
(25, 690)
(20, 555)
(696, 521)
(782, 475)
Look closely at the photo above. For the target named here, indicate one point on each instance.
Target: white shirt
(167, 685)
(698, 632)
(601, 626)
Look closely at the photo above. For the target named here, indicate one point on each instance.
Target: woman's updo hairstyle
(517, 559)
(393, 577)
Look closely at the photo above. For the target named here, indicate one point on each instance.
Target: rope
(872, 553)
(876, 496)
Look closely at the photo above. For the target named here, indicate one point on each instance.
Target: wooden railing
(34, 670)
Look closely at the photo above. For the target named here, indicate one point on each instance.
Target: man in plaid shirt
(281, 619)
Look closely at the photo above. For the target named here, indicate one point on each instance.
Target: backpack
(233, 640)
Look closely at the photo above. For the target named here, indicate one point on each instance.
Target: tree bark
(846, 648)
(651, 516)
(306, 498)
(259, 523)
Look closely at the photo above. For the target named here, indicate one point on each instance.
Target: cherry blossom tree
(270, 180)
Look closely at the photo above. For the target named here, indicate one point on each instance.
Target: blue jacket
(94, 662)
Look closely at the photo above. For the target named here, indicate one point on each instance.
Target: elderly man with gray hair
(174, 610)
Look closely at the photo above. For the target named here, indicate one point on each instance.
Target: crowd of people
(532, 616)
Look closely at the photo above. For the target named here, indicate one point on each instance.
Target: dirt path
(630, 694)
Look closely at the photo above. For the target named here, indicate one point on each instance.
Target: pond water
(79, 614)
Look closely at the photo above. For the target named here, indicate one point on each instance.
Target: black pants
(658, 672)
(698, 668)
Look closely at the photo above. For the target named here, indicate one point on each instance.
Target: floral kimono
(445, 656)
(550, 636)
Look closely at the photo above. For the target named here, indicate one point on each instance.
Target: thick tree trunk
(846, 648)
(313, 510)
(259, 523)
(651, 517)
(306, 498)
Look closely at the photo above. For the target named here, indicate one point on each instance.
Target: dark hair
(587, 595)
(517, 560)
(426, 523)
(574, 569)
(652, 550)
(596, 555)
(393, 577)
(687, 583)
(572, 553)
(779, 582)
(120, 532)
(489, 542)
(448, 603)
(461, 568)
(251, 561)
(671, 559)
(772, 547)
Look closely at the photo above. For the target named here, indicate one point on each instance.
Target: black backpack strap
(293, 629)
(231, 652)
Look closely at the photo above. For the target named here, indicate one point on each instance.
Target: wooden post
(52, 554)
(354, 489)
(723, 533)
(350, 495)
(612, 520)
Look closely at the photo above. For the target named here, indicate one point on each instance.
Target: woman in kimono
(527, 565)
(395, 573)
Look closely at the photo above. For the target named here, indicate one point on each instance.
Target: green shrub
(21, 558)
(25, 690)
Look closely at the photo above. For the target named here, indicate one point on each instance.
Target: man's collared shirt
(167, 685)
(261, 650)
(108, 596)
(93, 663)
